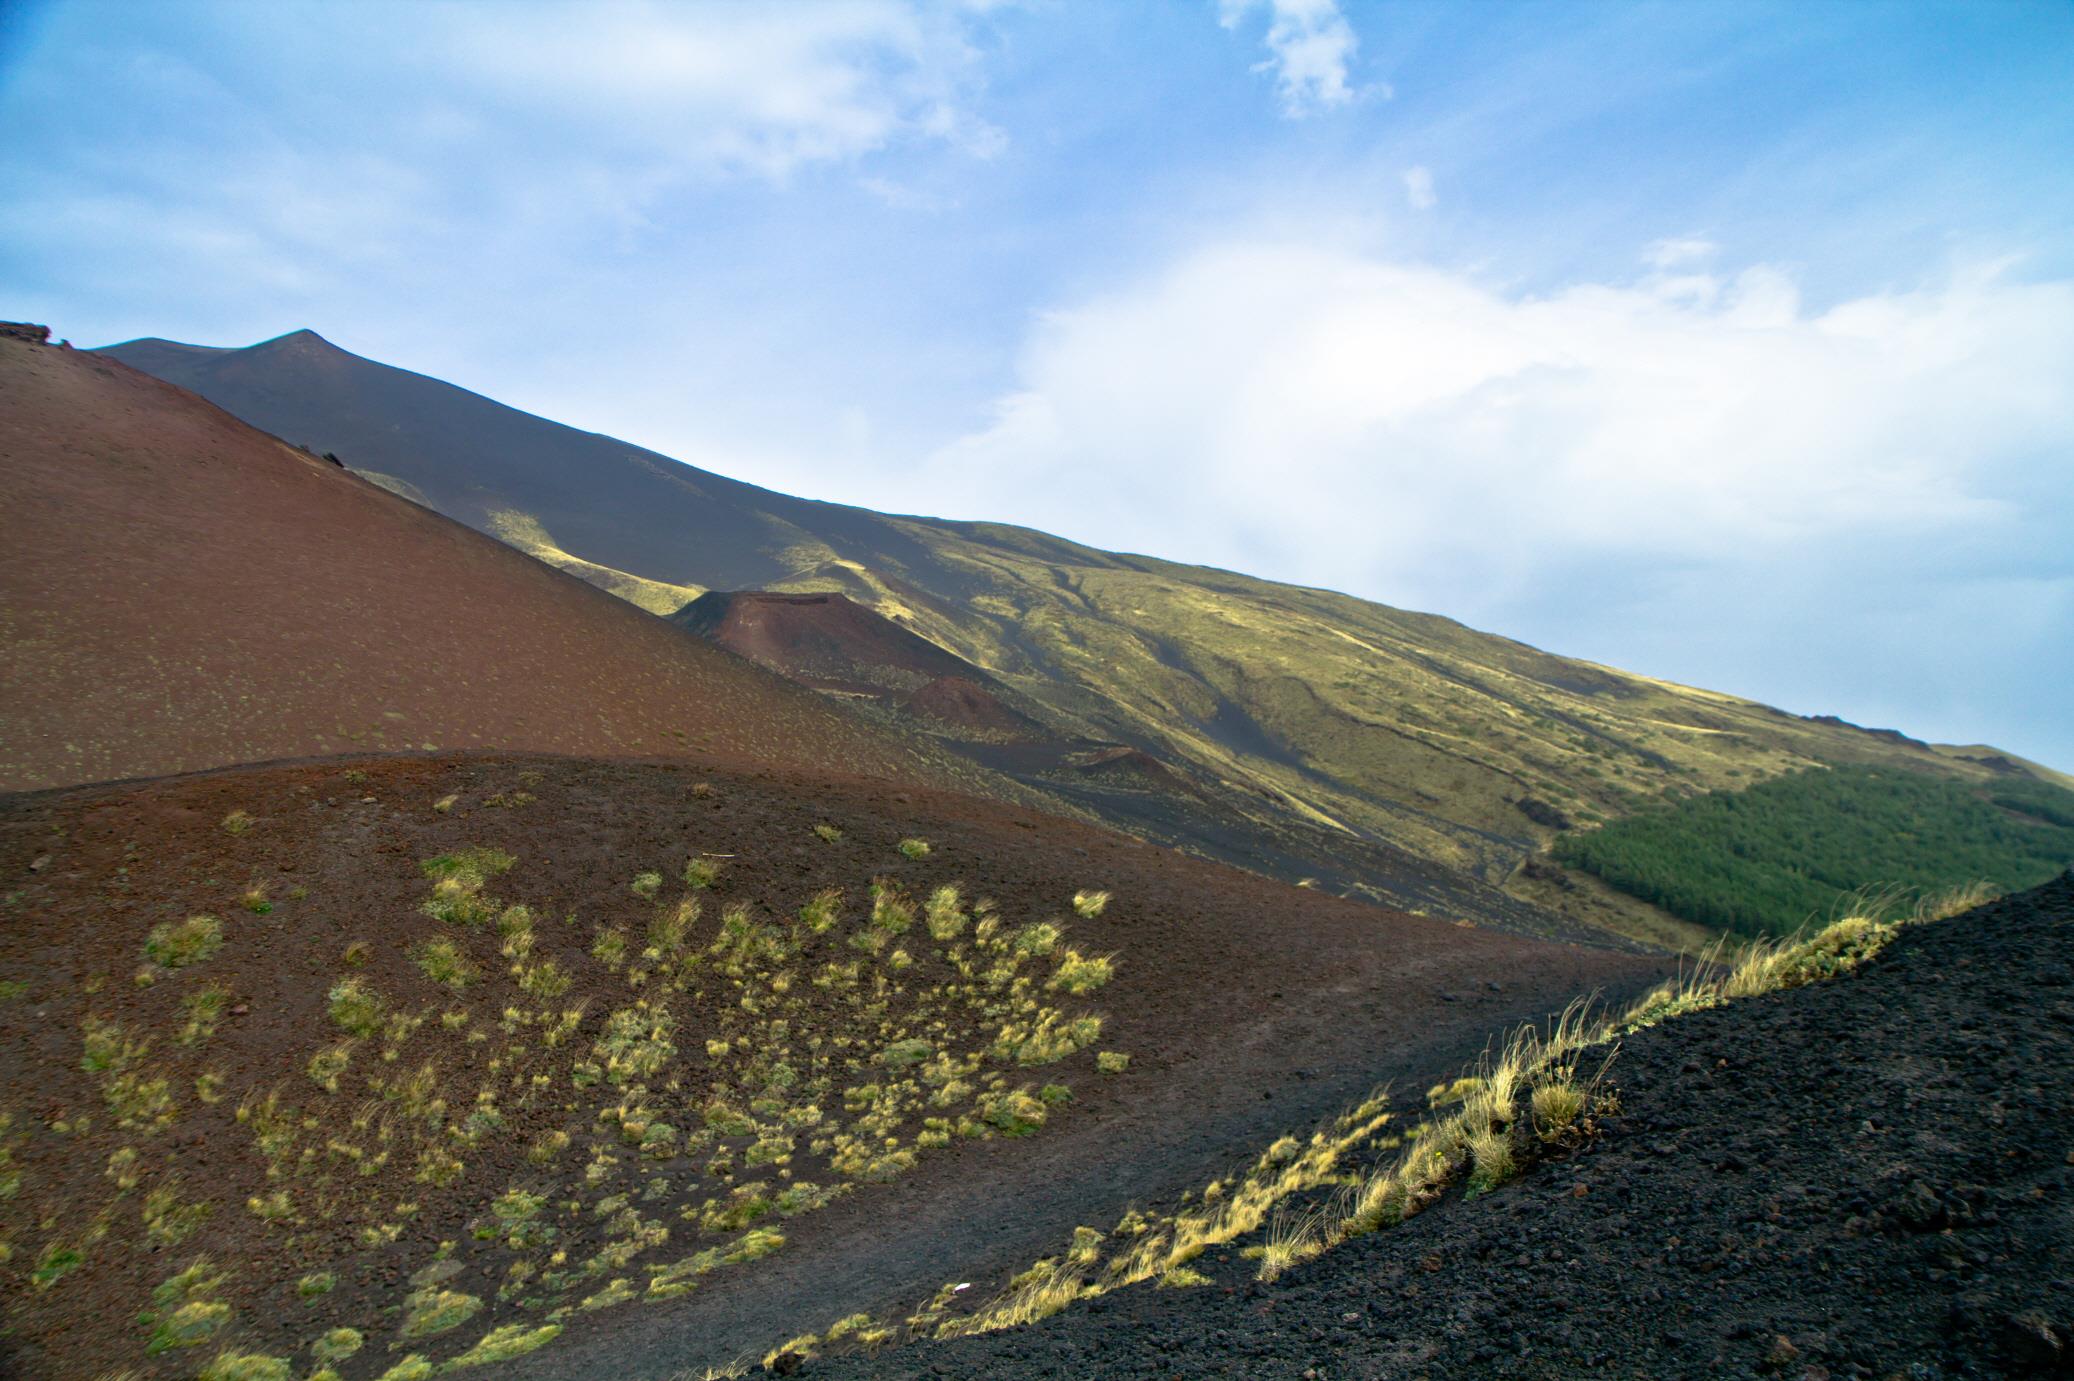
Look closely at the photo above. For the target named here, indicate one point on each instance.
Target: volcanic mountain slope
(1867, 1178)
(395, 1063)
(845, 649)
(1301, 707)
(179, 590)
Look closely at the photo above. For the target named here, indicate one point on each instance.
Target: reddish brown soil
(830, 642)
(180, 591)
(1131, 766)
(818, 637)
(959, 702)
(1248, 1008)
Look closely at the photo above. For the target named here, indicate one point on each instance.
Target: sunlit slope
(1312, 710)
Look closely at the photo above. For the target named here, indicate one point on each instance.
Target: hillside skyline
(1727, 344)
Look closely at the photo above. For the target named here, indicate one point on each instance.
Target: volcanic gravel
(1873, 1177)
(1246, 1007)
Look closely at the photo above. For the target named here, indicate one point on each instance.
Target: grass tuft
(1079, 976)
(504, 1343)
(432, 1311)
(355, 1008)
(246, 1366)
(337, 1345)
(442, 961)
(176, 944)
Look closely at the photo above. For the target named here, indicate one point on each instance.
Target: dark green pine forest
(1770, 858)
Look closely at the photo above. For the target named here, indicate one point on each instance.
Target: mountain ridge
(1313, 715)
(248, 601)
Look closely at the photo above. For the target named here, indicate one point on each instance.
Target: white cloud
(1418, 187)
(1310, 45)
(729, 83)
(1679, 251)
(1413, 435)
(315, 149)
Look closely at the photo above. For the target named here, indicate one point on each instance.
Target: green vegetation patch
(1766, 860)
(176, 944)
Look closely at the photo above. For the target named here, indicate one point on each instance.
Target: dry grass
(1519, 1102)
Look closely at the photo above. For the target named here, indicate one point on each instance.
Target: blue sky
(1729, 343)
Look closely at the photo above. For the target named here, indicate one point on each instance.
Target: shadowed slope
(180, 591)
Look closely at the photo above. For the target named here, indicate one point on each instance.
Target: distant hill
(1328, 726)
(179, 590)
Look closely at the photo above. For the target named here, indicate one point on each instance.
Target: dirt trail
(992, 1209)
(1871, 1178)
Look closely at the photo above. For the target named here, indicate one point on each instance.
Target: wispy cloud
(1310, 45)
(755, 87)
(302, 144)
(1418, 187)
(1680, 251)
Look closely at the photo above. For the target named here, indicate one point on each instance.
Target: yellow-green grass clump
(176, 944)
(682, 1085)
(444, 962)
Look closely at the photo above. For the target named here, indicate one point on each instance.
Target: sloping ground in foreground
(180, 591)
(1869, 1177)
(454, 1057)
